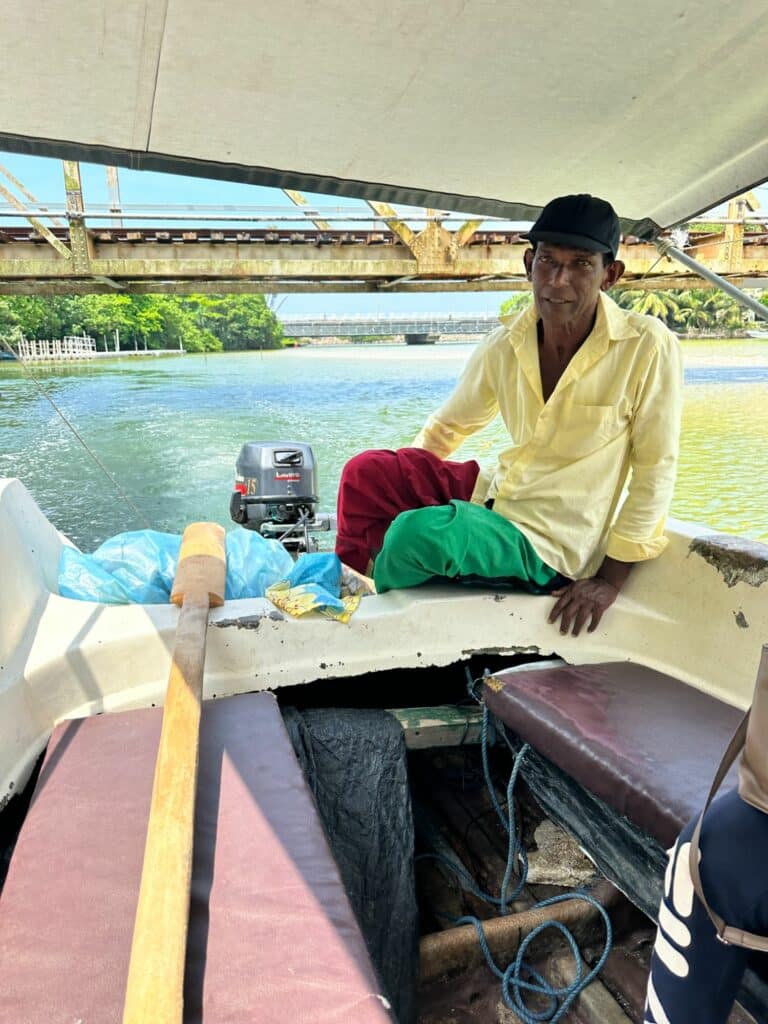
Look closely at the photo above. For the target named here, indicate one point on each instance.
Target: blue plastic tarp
(138, 567)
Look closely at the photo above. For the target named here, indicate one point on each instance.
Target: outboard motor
(276, 493)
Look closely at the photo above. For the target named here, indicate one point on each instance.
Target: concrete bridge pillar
(423, 338)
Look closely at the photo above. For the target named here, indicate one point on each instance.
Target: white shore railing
(57, 349)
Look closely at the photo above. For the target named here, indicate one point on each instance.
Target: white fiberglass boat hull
(698, 613)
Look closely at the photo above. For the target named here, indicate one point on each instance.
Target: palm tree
(696, 318)
(663, 305)
(728, 312)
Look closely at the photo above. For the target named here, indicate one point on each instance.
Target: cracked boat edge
(249, 621)
(737, 559)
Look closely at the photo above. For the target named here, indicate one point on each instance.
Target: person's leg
(376, 486)
(695, 977)
(457, 541)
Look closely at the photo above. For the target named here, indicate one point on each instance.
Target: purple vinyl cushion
(644, 742)
(272, 936)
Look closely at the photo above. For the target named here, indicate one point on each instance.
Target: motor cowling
(276, 491)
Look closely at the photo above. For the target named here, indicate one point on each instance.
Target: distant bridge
(412, 325)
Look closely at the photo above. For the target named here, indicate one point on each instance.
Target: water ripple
(170, 430)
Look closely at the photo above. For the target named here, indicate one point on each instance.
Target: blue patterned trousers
(694, 976)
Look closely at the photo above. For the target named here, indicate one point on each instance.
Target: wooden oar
(155, 989)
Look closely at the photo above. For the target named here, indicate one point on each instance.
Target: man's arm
(471, 406)
(637, 535)
(638, 531)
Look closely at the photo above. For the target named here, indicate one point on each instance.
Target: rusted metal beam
(178, 260)
(733, 249)
(393, 222)
(78, 234)
(224, 286)
(112, 285)
(434, 247)
(28, 195)
(299, 200)
(115, 206)
(169, 257)
(466, 231)
(41, 229)
(79, 239)
(671, 282)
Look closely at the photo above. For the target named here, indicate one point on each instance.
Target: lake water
(170, 429)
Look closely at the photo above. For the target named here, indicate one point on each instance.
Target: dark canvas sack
(752, 737)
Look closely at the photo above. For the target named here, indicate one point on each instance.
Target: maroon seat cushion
(272, 935)
(645, 743)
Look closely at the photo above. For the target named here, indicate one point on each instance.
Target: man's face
(567, 282)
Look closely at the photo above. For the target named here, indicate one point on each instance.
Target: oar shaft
(155, 987)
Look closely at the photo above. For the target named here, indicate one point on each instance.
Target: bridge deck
(181, 259)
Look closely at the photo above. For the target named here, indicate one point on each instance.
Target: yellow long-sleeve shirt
(615, 409)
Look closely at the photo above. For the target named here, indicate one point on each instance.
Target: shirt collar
(618, 321)
(611, 324)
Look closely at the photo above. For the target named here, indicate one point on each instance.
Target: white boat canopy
(485, 106)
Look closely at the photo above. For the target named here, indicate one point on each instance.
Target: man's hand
(586, 600)
(581, 601)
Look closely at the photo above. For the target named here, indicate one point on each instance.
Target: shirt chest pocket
(579, 430)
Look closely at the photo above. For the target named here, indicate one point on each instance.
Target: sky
(43, 177)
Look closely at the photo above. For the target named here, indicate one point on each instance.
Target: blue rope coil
(519, 979)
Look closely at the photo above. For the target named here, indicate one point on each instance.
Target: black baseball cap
(581, 222)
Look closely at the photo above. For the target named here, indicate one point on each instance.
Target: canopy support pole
(667, 249)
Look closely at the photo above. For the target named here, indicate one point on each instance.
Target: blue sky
(43, 178)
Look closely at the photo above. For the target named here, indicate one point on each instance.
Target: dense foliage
(693, 311)
(515, 303)
(201, 323)
(224, 323)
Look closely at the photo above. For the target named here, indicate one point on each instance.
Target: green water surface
(169, 429)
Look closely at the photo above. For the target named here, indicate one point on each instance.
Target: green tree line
(200, 323)
(692, 311)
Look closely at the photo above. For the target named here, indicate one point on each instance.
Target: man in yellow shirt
(591, 396)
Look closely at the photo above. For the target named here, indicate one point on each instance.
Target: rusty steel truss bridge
(370, 248)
